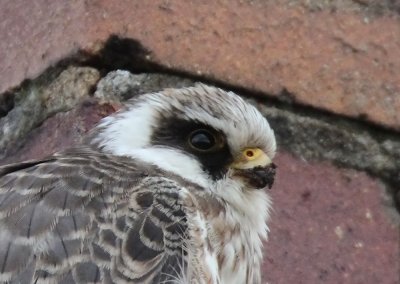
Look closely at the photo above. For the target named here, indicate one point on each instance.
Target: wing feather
(85, 217)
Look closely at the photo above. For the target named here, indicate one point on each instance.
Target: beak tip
(259, 177)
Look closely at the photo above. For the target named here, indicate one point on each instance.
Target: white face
(197, 133)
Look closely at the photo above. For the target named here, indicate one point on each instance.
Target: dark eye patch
(207, 144)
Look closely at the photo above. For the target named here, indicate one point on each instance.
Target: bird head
(204, 134)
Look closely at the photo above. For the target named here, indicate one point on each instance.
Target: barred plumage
(101, 213)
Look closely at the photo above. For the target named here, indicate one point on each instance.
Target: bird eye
(202, 140)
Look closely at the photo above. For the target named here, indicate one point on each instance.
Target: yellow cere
(250, 158)
(252, 153)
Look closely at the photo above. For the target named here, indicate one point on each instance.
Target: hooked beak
(255, 167)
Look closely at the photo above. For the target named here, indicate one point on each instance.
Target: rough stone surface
(340, 56)
(45, 97)
(367, 7)
(121, 85)
(330, 225)
(69, 88)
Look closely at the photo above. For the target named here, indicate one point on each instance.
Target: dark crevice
(129, 54)
(122, 53)
(6, 103)
(381, 7)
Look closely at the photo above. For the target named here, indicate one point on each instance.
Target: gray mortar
(348, 145)
(368, 7)
(42, 98)
(121, 85)
(60, 91)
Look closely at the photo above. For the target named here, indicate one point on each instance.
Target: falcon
(170, 189)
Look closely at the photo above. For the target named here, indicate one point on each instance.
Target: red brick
(59, 132)
(340, 61)
(330, 225)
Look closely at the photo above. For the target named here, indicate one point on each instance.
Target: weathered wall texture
(325, 74)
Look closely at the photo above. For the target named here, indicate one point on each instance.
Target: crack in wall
(304, 131)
